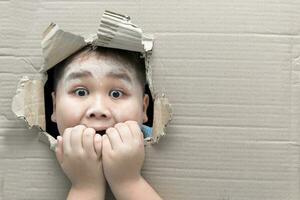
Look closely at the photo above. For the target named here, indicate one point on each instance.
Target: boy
(99, 106)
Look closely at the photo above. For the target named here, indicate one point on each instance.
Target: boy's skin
(97, 93)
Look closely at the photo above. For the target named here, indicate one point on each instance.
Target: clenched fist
(123, 154)
(78, 152)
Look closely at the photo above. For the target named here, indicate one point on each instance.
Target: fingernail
(97, 137)
(58, 138)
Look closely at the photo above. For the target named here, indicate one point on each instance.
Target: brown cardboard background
(230, 70)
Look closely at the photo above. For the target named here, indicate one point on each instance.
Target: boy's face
(98, 92)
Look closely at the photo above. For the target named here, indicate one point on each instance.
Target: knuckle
(65, 135)
(131, 122)
(89, 131)
(67, 154)
(79, 154)
(136, 142)
(68, 129)
(110, 130)
(121, 125)
(141, 143)
(81, 126)
(118, 125)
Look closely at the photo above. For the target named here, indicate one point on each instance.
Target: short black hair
(130, 58)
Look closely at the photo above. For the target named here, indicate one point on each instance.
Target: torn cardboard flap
(115, 31)
(162, 116)
(58, 45)
(28, 103)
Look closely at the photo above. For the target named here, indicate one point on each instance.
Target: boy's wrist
(88, 193)
(137, 189)
(125, 182)
(123, 188)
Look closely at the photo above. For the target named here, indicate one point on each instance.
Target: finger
(106, 145)
(124, 131)
(98, 145)
(67, 141)
(135, 130)
(114, 137)
(59, 149)
(88, 141)
(76, 138)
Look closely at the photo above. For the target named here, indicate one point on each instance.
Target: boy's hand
(123, 154)
(79, 155)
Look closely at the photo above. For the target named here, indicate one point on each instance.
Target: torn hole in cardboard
(115, 31)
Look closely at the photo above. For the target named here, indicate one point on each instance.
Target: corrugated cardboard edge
(58, 45)
(117, 31)
(163, 115)
(28, 103)
(48, 139)
(162, 111)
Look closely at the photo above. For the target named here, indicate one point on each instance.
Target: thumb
(59, 149)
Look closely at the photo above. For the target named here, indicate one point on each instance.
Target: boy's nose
(98, 110)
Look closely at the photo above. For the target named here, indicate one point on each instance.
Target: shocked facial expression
(98, 92)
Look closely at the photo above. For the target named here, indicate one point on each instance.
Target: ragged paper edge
(58, 44)
(28, 103)
(48, 139)
(163, 115)
(115, 31)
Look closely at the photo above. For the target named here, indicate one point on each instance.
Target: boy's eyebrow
(83, 74)
(78, 75)
(119, 75)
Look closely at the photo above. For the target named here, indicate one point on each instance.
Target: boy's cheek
(66, 118)
(68, 114)
(129, 112)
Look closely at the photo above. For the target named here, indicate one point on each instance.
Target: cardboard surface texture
(116, 31)
(230, 69)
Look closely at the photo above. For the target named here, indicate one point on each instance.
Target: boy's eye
(81, 92)
(116, 94)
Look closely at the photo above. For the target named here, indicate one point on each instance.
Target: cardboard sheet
(230, 70)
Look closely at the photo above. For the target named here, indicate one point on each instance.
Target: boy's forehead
(97, 66)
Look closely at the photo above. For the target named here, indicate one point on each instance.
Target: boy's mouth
(102, 132)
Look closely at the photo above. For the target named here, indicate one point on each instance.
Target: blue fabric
(147, 131)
